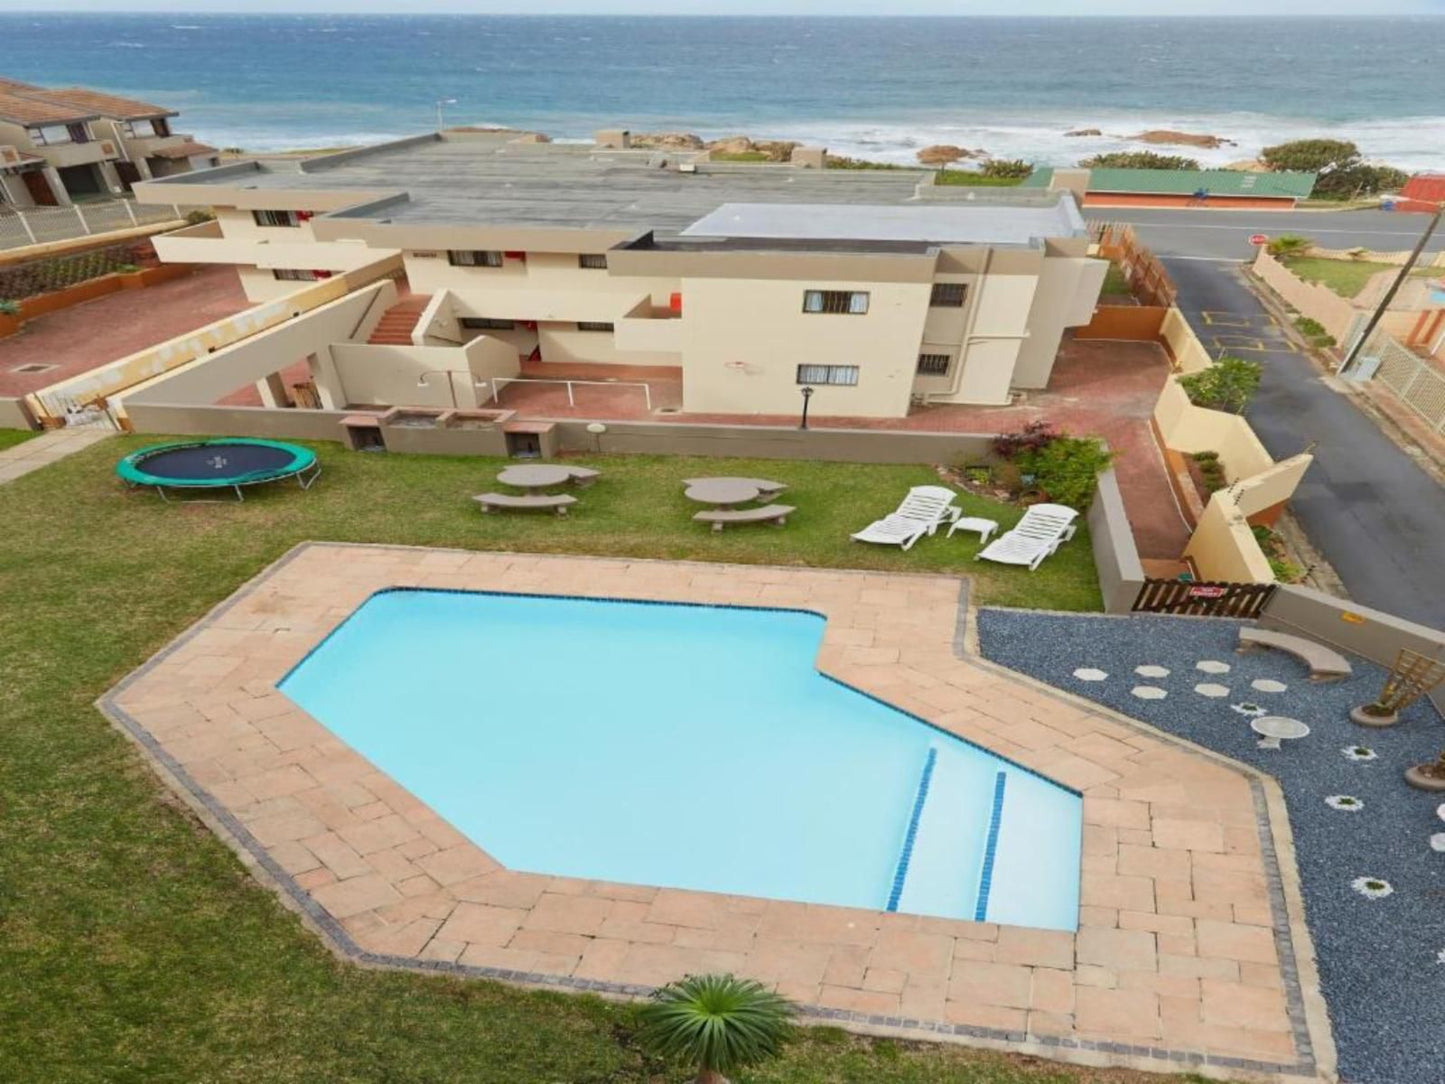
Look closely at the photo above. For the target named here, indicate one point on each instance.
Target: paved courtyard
(87, 336)
(1190, 951)
(1354, 820)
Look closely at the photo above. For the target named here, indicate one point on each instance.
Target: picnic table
(537, 476)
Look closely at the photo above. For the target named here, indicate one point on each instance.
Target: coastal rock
(941, 154)
(775, 150)
(671, 141)
(1082, 132)
(1247, 165)
(1168, 137)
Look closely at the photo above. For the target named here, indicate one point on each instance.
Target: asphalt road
(1370, 510)
(1224, 235)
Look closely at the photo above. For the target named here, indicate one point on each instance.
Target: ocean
(872, 87)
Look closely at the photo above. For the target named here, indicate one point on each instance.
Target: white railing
(37, 226)
(1415, 381)
(571, 399)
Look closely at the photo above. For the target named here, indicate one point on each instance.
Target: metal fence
(38, 226)
(1415, 382)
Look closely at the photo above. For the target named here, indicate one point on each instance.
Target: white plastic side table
(984, 527)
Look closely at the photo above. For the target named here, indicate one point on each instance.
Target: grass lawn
(1347, 277)
(136, 948)
(978, 180)
(11, 437)
(1115, 282)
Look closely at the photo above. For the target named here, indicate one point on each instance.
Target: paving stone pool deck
(1191, 951)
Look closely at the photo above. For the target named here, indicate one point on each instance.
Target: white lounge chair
(923, 511)
(1038, 535)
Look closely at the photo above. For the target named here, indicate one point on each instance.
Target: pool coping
(1308, 1026)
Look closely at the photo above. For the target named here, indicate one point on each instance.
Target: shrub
(1066, 468)
(9, 308)
(1211, 471)
(717, 1023)
(1228, 384)
(1007, 167)
(1314, 331)
(1140, 160)
(1032, 437)
(1007, 476)
(196, 217)
(1289, 244)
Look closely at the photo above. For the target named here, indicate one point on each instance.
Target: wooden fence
(1148, 280)
(1203, 599)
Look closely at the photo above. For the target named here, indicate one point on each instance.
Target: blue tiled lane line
(901, 874)
(990, 849)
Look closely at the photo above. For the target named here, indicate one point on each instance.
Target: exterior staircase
(398, 322)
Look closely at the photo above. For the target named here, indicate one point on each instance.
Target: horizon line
(1237, 16)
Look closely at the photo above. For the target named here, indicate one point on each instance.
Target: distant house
(1179, 187)
(1423, 192)
(59, 145)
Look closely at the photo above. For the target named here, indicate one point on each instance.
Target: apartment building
(874, 289)
(62, 144)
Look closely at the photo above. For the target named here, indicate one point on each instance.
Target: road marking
(1251, 229)
(1205, 259)
(1225, 319)
(1241, 342)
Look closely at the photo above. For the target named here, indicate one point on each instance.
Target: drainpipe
(967, 338)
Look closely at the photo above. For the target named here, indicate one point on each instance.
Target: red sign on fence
(1258, 239)
(1207, 592)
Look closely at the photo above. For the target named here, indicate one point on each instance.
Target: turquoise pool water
(690, 747)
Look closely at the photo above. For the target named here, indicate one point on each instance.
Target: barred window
(593, 325)
(485, 323)
(948, 295)
(593, 261)
(276, 218)
(474, 258)
(844, 375)
(851, 302)
(933, 364)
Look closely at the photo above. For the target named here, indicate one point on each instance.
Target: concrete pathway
(46, 449)
(1374, 514)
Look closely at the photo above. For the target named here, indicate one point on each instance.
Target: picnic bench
(533, 502)
(1326, 664)
(776, 514)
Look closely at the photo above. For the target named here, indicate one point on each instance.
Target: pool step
(944, 855)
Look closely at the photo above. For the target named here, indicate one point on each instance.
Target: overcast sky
(758, 7)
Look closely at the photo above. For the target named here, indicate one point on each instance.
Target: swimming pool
(689, 747)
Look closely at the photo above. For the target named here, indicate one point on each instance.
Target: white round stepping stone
(1437, 842)
(1212, 666)
(1268, 685)
(1209, 689)
(1149, 692)
(1088, 673)
(1152, 671)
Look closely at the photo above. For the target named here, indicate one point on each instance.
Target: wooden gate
(1203, 599)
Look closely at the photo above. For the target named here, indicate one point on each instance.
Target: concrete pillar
(328, 383)
(273, 391)
(57, 186)
(109, 178)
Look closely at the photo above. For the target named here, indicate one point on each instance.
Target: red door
(39, 188)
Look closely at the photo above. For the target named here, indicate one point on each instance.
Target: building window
(48, 134)
(933, 364)
(852, 302)
(161, 126)
(474, 258)
(276, 218)
(592, 261)
(844, 375)
(593, 325)
(296, 274)
(948, 295)
(486, 323)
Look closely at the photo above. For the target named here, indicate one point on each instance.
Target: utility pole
(1378, 314)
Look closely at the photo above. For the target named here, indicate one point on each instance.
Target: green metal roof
(1217, 182)
(1185, 182)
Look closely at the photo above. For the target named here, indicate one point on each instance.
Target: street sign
(1258, 239)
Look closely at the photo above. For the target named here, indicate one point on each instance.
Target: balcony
(649, 327)
(61, 155)
(144, 146)
(205, 243)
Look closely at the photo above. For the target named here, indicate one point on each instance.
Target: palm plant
(719, 1023)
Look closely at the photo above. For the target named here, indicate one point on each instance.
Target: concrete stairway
(398, 322)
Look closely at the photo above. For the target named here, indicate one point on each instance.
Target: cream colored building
(875, 289)
(58, 145)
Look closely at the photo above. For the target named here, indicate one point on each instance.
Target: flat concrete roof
(943, 224)
(495, 180)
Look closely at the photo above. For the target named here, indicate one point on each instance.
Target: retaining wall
(1335, 313)
(1116, 558)
(13, 415)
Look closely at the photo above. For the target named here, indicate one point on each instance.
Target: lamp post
(421, 381)
(807, 394)
(441, 102)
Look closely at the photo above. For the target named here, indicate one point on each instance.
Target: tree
(941, 154)
(1289, 244)
(1139, 160)
(1229, 384)
(720, 1023)
(1007, 167)
(1311, 155)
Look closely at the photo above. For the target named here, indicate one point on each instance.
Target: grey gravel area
(1381, 960)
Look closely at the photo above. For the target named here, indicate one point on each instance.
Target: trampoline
(228, 463)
